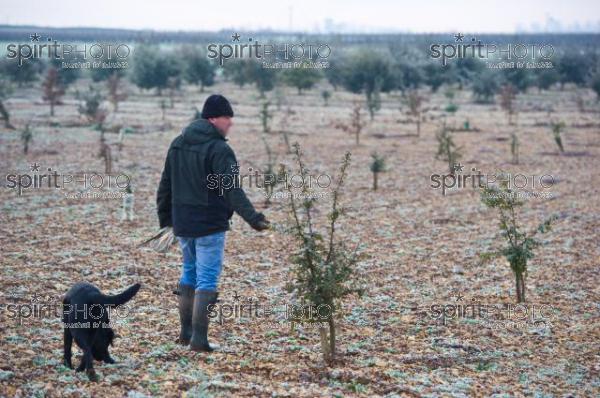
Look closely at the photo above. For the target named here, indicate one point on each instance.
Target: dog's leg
(107, 357)
(68, 342)
(87, 361)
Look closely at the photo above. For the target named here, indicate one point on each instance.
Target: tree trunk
(520, 280)
(286, 138)
(331, 338)
(5, 116)
(375, 181)
(325, 344)
(328, 340)
(107, 159)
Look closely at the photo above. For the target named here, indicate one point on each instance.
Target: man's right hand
(262, 225)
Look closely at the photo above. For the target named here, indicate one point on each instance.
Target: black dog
(86, 319)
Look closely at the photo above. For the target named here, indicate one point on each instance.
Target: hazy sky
(310, 15)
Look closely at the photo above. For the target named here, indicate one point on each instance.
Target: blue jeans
(202, 260)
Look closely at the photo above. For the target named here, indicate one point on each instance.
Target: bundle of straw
(162, 241)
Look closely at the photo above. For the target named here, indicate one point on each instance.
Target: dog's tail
(121, 298)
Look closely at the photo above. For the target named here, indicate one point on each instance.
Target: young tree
(514, 148)
(264, 78)
(106, 154)
(435, 75)
(370, 74)
(272, 177)
(67, 76)
(374, 100)
(356, 124)
(6, 90)
(237, 71)
(447, 149)
(163, 109)
(103, 73)
(508, 94)
(302, 78)
(152, 68)
(116, 92)
(557, 128)
(265, 116)
(285, 123)
(465, 70)
(326, 95)
(519, 78)
(546, 78)
(595, 84)
(24, 74)
(377, 166)
(332, 73)
(123, 131)
(407, 76)
(52, 89)
(451, 107)
(485, 86)
(173, 85)
(96, 115)
(574, 68)
(198, 69)
(127, 207)
(415, 103)
(90, 108)
(520, 245)
(324, 268)
(26, 138)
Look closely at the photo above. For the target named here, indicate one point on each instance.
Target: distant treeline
(366, 64)
(584, 41)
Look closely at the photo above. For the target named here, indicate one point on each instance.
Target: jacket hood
(200, 131)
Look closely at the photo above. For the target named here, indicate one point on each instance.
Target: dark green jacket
(189, 198)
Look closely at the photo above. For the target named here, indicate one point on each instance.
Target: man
(200, 213)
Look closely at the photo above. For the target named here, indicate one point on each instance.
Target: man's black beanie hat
(216, 105)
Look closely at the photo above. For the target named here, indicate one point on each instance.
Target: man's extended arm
(163, 197)
(225, 163)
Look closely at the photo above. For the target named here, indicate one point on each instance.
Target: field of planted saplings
(450, 224)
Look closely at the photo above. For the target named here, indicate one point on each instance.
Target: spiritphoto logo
(495, 315)
(272, 55)
(520, 55)
(266, 181)
(20, 308)
(52, 179)
(251, 308)
(523, 185)
(96, 55)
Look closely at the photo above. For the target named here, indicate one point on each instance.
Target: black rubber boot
(186, 306)
(200, 320)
